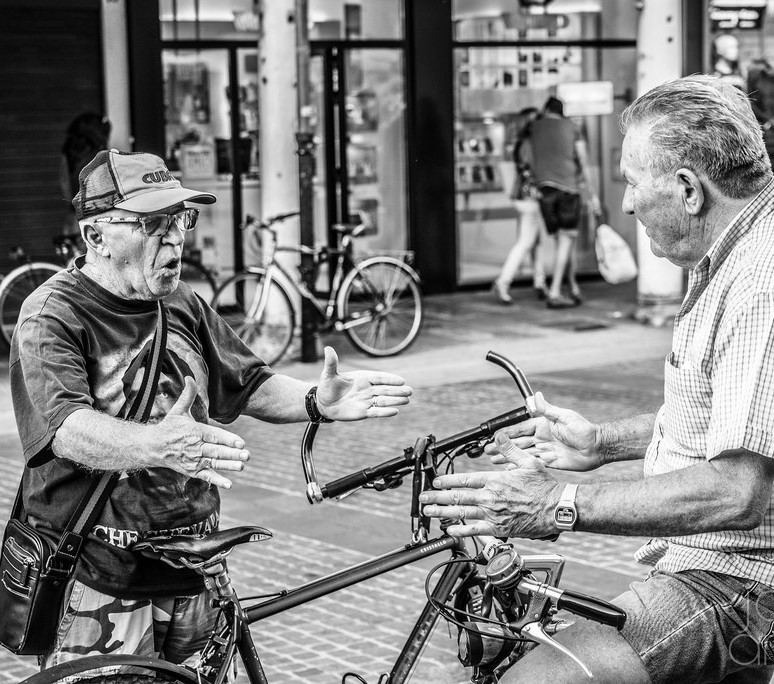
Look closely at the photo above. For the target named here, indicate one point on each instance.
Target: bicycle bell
(505, 568)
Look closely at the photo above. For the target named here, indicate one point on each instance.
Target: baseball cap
(135, 181)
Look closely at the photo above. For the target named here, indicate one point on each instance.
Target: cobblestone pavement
(362, 628)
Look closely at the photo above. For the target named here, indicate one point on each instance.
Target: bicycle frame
(326, 310)
(349, 577)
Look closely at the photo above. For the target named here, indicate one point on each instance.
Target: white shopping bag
(614, 257)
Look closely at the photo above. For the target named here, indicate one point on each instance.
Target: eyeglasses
(157, 225)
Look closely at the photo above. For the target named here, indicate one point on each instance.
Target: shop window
(554, 20)
(208, 19)
(348, 20)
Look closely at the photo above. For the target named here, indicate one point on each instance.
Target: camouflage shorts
(172, 628)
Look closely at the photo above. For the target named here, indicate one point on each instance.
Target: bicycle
(376, 302)
(201, 278)
(24, 279)
(501, 612)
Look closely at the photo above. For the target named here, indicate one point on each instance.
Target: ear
(691, 190)
(94, 239)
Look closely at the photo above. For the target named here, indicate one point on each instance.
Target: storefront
(414, 108)
(209, 54)
(509, 59)
(385, 122)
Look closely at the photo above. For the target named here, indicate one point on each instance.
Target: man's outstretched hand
(559, 437)
(197, 449)
(358, 394)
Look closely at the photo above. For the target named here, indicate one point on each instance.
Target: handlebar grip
(592, 608)
(506, 419)
(362, 477)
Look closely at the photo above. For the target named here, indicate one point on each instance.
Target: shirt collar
(739, 226)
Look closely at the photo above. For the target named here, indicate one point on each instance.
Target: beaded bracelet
(310, 401)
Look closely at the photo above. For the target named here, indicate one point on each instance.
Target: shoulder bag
(34, 573)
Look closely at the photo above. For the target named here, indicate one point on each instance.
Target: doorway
(211, 142)
(359, 98)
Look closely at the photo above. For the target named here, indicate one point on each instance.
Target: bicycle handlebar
(581, 604)
(316, 493)
(369, 475)
(271, 220)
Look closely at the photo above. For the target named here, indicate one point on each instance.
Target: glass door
(211, 118)
(361, 161)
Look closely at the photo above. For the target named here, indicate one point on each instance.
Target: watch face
(564, 515)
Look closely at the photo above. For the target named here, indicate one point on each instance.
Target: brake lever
(535, 632)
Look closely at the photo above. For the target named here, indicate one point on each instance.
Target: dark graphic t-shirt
(79, 347)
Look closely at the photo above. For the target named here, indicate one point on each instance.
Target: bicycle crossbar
(351, 576)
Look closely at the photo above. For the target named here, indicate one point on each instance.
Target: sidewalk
(460, 328)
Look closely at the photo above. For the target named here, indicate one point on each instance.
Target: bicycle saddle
(200, 547)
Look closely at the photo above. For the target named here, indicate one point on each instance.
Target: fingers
(186, 399)
(212, 434)
(220, 459)
(504, 444)
(331, 365)
(473, 530)
(385, 379)
(385, 400)
(213, 478)
(545, 409)
(453, 512)
(459, 489)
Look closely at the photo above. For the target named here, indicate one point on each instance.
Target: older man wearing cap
(76, 367)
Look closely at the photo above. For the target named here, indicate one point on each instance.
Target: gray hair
(707, 125)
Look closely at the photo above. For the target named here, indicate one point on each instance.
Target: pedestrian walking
(524, 194)
(76, 369)
(705, 611)
(561, 173)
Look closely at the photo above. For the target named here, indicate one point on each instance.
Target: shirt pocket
(687, 407)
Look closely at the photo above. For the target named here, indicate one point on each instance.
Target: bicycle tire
(124, 669)
(385, 292)
(268, 338)
(199, 277)
(16, 287)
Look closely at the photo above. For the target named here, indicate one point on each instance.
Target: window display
(519, 59)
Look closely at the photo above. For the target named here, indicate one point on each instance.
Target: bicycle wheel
(116, 669)
(195, 274)
(380, 306)
(16, 287)
(236, 300)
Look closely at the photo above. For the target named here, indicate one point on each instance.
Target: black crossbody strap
(94, 499)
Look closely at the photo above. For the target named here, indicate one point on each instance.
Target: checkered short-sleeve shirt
(719, 387)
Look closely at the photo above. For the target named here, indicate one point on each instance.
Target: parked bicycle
(376, 302)
(501, 612)
(25, 278)
(21, 281)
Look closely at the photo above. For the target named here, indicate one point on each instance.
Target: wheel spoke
(383, 294)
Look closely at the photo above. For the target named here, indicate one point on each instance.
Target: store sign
(730, 15)
(524, 22)
(586, 98)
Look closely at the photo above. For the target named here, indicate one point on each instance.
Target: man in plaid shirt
(699, 180)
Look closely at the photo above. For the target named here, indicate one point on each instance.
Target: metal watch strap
(310, 401)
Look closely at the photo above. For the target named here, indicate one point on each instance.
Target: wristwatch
(565, 513)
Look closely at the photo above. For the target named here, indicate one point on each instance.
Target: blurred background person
(561, 172)
(525, 195)
(87, 134)
(725, 60)
(760, 88)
